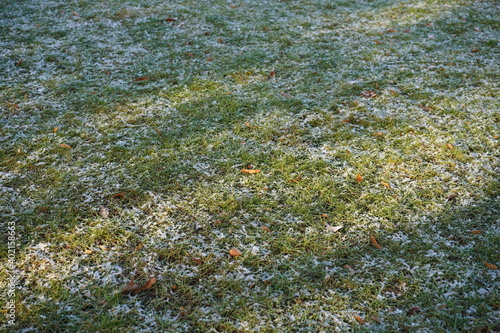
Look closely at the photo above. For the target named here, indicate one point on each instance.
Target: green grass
(160, 116)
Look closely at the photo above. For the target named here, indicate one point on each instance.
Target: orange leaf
(359, 178)
(234, 252)
(359, 319)
(475, 231)
(55, 129)
(65, 146)
(148, 285)
(296, 179)
(121, 194)
(250, 171)
(374, 242)
(490, 266)
(449, 145)
(385, 184)
(142, 78)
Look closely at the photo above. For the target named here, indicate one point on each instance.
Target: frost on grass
(161, 116)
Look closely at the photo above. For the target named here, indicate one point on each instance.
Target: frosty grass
(124, 126)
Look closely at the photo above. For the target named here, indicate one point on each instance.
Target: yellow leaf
(490, 266)
(65, 146)
(374, 242)
(250, 171)
(234, 252)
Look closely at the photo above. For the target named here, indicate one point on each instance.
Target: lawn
(253, 165)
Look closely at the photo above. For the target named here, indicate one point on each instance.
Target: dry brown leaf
(475, 232)
(103, 247)
(359, 178)
(349, 268)
(374, 242)
(234, 252)
(131, 286)
(19, 63)
(296, 179)
(452, 196)
(449, 145)
(169, 19)
(272, 73)
(284, 94)
(378, 42)
(198, 261)
(265, 228)
(378, 134)
(148, 285)
(189, 54)
(390, 31)
(209, 59)
(142, 78)
(413, 311)
(359, 319)
(250, 171)
(386, 185)
(369, 94)
(490, 266)
(475, 51)
(55, 129)
(138, 247)
(157, 130)
(74, 14)
(65, 146)
(118, 195)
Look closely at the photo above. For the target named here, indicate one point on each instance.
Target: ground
(276, 166)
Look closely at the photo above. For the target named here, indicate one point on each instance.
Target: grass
(125, 126)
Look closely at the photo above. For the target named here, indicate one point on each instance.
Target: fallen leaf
(220, 40)
(442, 306)
(131, 286)
(209, 59)
(449, 145)
(359, 319)
(359, 178)
(148, 285)
(65, 146)
(12, 105)
(118, 195)
(369, 94)
(413, 311)
(103, 247)
(234, 252)
(265, 228)
(284, 94)
(385, 184)
(272, 73)
(378, 42)
(138, 247)
(74, 14)
(390, 31)
(19, 63)
(296, 179)
(452, 196)
(374, 242)
(104, 212)
(333, 229)
(475, 51)
(378, 134)
(197, 261)
(88, 251)
(169, 19)
(247, 124)
(324, 215)
(490, 266)
(55, 129)
(475, 232)
(250, 171)
(349, 268)
(157, 130)
(189, 54)
(142, 78)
